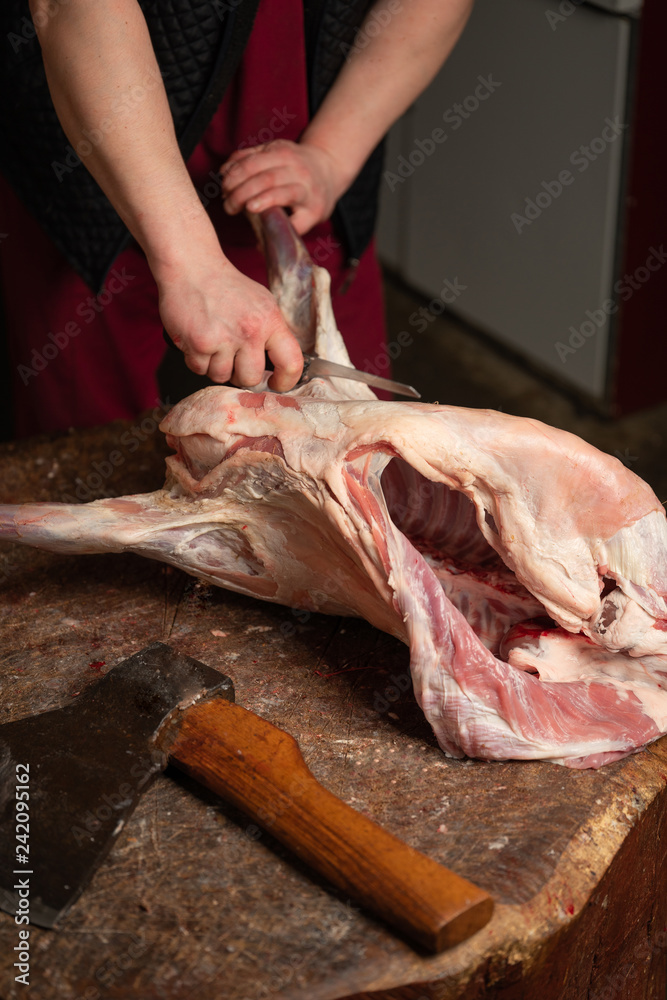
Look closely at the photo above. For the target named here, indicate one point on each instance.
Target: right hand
(224, 322)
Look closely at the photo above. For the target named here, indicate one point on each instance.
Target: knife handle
(259, 768)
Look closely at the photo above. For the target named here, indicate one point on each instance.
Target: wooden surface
(259, 769)
(196, 901)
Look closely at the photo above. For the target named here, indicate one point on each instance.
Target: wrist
(187, 243)
(340, 171)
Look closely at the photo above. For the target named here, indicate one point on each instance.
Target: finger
(235, 199)
(197, 363)
(249, 366)
(256, 196)
(220, 366)
(259, 166)
(236, 170)
(302, 218)
(273, 145)
(241, 172)
(287, 357)
(174, 338)
(232, 174)
(285, 195)
(240, 154)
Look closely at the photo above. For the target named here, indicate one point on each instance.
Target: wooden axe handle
(259, 768)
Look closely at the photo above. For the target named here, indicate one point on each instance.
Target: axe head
(87, 765)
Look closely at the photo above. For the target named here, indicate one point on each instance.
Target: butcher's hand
(224, 322)
(397, 52)
(304, 177)
(97, 58)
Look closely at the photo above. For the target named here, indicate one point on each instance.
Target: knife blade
(315, 367)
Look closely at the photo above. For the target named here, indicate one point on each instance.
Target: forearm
(107, 92)
(106, 85)
(384, 73)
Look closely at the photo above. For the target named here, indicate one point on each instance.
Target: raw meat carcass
(525, 569)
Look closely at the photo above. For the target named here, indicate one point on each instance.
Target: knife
(315, 367)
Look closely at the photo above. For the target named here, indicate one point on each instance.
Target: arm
(380, 79)
(104, 81)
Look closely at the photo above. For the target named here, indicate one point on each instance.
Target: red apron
(80, 360)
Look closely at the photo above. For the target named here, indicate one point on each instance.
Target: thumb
(287, 357)
(303, 219)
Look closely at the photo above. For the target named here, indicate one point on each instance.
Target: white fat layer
(302, 521)
(560, 657)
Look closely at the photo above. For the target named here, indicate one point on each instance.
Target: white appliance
(510, 173)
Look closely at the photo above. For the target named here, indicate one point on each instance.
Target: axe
(89, 762)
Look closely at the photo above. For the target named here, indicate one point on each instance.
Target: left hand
(299, 176)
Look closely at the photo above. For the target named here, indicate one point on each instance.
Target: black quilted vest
(198, 44)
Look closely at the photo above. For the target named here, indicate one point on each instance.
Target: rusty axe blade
(89, 764)
(90, 761)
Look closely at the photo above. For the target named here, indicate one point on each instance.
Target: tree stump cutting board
(197, 902)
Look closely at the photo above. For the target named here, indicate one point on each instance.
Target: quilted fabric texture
(198, 45)
(356, 212)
